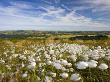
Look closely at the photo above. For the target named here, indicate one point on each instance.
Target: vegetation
(88, 37)
(34, 56)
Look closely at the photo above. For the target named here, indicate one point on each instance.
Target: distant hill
(45, 34)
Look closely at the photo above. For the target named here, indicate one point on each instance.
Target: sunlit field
(54, 61)
(54, 40)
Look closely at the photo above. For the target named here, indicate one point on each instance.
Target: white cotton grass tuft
(52, 74)
(75, 77)
(69, 65)
(103, 66)
(64, 62)
(57, 65)
(24, 75)
(73, 57)
(92, 64)
(49, 62)
(48, 79)
(31, 65)
(71, 69)
(81, 65)
(64, 75)
(60, 62)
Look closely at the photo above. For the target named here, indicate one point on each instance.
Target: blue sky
(55, 15)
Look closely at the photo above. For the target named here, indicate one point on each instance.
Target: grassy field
(54, 58)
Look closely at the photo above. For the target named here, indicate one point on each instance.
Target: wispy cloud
(47, 2)
(99, 5)
(50, 17)
(21, 5)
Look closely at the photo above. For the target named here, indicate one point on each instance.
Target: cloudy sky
(62, 15)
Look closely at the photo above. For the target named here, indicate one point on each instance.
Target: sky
(55, 15)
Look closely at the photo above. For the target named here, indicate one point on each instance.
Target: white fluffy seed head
(64, 62)
(103, 66)
(49, 62)
(71, 69)
(53, 74)
(73, 57)
(82, 65)
(57, 65)
(64, 75)
(75, 77)
(48, 79)
(24, 75)
(69, 65)
(92, 63)
(32, 65)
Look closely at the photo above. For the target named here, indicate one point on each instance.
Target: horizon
(55, 15)
(48, 31)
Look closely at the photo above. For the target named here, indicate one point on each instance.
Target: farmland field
(31, 56)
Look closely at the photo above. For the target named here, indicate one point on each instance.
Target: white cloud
(12, 16)
(52, 11)
(21, 5)
(47, 2)
(99, 5)
(69, 9)
(100, 2)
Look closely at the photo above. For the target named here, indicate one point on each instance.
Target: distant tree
(87, 37)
